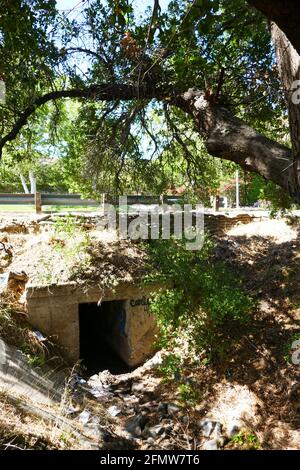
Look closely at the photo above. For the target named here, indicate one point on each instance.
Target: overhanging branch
(99, 92)
(225, 136)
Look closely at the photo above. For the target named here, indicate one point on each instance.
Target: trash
(172, 409)
(3, 282)
(209, 427)
(98, 389)
(114, 410)
(135, 425)
(130, 399)
(75, 381)
(84, 416)
(39, 336)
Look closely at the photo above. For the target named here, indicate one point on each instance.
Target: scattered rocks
(213, 444)
(138, 387)
(150, 440)
(172, 409)
(210, 428)
(156, 431)
(163, 408)
(135, 425)
(185, 419)
(84, 417)
(232, 430)
(18, 276)
(168, 408)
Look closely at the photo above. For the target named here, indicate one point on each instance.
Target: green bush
(206, 299)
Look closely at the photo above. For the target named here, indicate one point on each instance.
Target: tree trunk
(285, 13)
(288, 63)
(25, 187)
(32, 183)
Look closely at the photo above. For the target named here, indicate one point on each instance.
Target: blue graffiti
(122, 321)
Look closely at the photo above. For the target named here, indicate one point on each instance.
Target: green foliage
(188, 394)
(171, 370)
(73, 243)
(133, 145)
(36, 360)
(278, 200)
(246, 440)
(15, 331)
(170, 367)
(65, 226)
(206, 299)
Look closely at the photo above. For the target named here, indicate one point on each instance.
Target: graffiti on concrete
(141, 302)
(122, 322)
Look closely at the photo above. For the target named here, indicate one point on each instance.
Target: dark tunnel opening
(97, 325)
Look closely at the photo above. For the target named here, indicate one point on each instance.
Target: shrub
(206, 299)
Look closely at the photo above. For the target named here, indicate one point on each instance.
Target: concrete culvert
(103, 339)
(69, 315)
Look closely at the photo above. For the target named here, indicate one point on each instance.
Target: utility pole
(237, 189)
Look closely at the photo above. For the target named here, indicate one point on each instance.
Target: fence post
(38, 203)
(216, 203)
(103, 201)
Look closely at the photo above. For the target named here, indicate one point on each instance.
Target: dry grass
(19, 430)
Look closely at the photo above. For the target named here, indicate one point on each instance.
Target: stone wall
(216, 223)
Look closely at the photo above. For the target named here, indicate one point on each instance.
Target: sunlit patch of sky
(73, 9)
(74, 6)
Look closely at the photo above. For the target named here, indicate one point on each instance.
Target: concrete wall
(54, 311)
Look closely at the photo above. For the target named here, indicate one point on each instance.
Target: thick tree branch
(228, 137)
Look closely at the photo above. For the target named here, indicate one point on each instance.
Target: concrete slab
(40, 385)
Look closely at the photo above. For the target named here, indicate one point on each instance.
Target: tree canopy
(175, 86)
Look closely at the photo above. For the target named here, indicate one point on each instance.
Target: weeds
(67, 255)
(188, 394)
(246, 440)
(170, 367)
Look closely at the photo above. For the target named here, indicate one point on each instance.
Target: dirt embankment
(256, 385)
